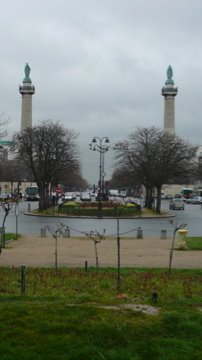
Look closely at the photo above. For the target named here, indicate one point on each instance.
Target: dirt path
(150, 252)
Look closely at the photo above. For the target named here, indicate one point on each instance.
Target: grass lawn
(194, 243)
(78, 315)
(10, 236)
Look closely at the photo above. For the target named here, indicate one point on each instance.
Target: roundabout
(151, 225)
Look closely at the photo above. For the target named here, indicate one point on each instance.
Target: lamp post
(101, 145)
(16, 216)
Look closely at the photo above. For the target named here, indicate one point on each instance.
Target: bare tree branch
(47, 150)
(156, 157)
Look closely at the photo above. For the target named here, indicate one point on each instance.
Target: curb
(104, 217)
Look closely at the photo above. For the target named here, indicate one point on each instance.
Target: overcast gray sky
(98, 66)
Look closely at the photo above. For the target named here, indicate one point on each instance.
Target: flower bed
(111, 209)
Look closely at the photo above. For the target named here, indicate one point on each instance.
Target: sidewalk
(72, 252)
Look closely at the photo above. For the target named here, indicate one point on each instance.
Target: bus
(187, 193)
(32, 193)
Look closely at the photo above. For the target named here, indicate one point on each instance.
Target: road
(192, 216)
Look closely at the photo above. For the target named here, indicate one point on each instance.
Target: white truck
(113, 192)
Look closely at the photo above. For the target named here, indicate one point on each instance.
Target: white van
(176, 204)
(113, 192)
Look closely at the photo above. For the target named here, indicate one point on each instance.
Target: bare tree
(200, 167)
(124, 178)
(176, 158)
(56, 231)
(73, 181)
(97, 238)
(6, 205)
(155, 158)
(14, 170)
(47, 150)
(176, 228)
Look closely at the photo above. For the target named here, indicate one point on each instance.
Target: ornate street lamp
(102, 146)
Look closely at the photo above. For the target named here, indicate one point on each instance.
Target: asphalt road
(192, 216)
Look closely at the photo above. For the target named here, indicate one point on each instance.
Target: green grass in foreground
(62, 317)
(53, 330)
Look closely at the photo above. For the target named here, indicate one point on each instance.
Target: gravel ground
(72, 252)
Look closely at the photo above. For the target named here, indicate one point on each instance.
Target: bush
(111, 209)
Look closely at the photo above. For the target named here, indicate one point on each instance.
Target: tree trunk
(149, 198)
(158, 200)
(43, 196)
(118, 258)
(4, 218)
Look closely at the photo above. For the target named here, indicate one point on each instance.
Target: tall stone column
(169, 91)
(26, 90)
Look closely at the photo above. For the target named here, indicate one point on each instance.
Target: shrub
(110, 208)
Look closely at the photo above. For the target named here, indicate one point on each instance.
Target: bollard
(22, 280)
(43, 232)
(86, 266)
(139, 233)
(29, 207)
(163, 234)
(181, 239)
(67, 233)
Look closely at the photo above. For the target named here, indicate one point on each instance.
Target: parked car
(85, 196)
(169, 196)
(5, 196)
(193, 200)
(70, 196)
(176, 204)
